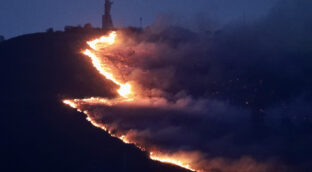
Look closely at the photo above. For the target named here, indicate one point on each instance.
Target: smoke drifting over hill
(238, 99)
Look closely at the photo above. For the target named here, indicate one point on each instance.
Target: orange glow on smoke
(125, 92)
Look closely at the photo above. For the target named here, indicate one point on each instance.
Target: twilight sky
(19, 17)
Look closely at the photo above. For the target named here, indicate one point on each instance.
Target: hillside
(42, 134)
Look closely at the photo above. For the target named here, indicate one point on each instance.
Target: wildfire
(125, 92)
(170, 160)
(103, 42)
(103, 68)
(70, 103)
(157, 156)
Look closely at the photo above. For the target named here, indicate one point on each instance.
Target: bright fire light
(70, 103)
(170, 160)
(103, 42)
(103, 68)
(125, 92)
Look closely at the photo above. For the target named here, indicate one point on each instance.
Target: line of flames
(101, 43)
(124, 92)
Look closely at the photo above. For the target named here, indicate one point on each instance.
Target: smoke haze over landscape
(225, 92)
(231, 100)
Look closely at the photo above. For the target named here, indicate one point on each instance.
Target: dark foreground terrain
(39, 132)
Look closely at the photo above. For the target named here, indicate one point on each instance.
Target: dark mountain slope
(39, 132)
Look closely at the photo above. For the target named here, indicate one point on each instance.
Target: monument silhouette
(107, 22)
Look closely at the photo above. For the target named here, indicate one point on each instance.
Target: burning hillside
(104, 61)
(234, 99)
(197, 101)
(131, 116)
(38, 128)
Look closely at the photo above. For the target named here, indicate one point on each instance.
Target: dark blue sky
(19, 16)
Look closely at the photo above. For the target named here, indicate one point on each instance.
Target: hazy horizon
(22, 17)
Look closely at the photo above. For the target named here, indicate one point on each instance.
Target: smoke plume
(235, 99)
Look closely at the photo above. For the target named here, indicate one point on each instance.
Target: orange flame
(170, 160)
(105, 69)
(157, 156)
(70, 103)
(125, 92)
(103, 42)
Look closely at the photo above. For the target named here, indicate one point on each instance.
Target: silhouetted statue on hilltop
(107, 22)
